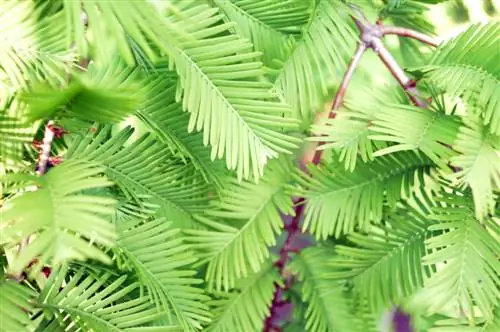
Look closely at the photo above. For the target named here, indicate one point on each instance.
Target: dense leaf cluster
(183, 122)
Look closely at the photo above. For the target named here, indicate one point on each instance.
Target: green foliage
(385, 263)
(246, 306)
(466, 66)
(14, 303)
(105, 94)
(74, 300)
(267, 26)
(235, 237)
(34, 47)
(142, 168)
(156, 253)
(340, 201)
(429, 131)
(469, 252)
(479, 164)
(165, 118)
(328, 310)
(326, 41)
(242, 118)
(167, 202)
(64, 221)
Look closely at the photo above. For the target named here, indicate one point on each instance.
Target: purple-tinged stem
(293, 229)
(371, 35)
(43, 159)
(48, 137)
(339, 97)
(404, 32)
(406, 83)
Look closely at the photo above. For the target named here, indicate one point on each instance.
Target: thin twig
(339, 97)
(404, 32)
(293, 229)
(43, 159)
(370, 37)
(406, 83)
(48, 137)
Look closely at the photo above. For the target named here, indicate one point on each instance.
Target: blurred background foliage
(454, 16)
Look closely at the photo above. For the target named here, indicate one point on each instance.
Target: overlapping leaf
(328, 309)
(33, 46)
(166, 119)
(111, 26)
(238, 235)
(327, 41)
(467, 66)
(14, 133)
(106, 94)
(466, 256)
(385, 264)
(222, 89)
(478, 164)
(412, 128)
(76, 300)
(246, 307)
(161, 261)
(15, 306)
(464, 325)
(267, 24)
(144, 167)
(64, 221)
(338, 201)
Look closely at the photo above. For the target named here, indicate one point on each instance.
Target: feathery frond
(385, 264)
(174, 199)
(348, 133)
(160, 260)
(328, 309)
(33, 46)
(467, 254)
(106, 94)
(326, 41)
(143, 167)
(222, 89)
(166, 119)
(237, 237)
(267, 24)
(15, 306)
(338, 201)
(412, 128)
(479, 164)
(245, 307)
(464, 325)
(467, 66)
(75, 301)
(66, 219)
(14, 133)
(111, 25)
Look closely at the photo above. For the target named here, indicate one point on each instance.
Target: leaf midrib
(226, 102)
(83, 313)
(236, 299)
(143, 267)
(379, 178)
(150, 191)
(253, 18)
(247, 225)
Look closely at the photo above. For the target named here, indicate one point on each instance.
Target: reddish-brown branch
(293, 229)
(339, 97)
(43, 158)
(404, 32)
(48, 137)
(370, 37)
(406, 83)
